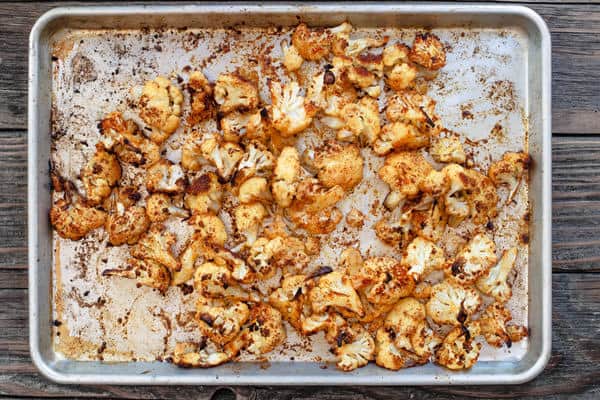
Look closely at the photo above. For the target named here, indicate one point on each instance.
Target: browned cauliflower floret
(292, 60)
(448, 150)
(221, 321)
(165, 177)
(400, 72)
(493, 323)
(254, 189)
(248, 220)
(428, 51)
(495, 281)
(358, 75)
(234, 92)
(128, 143)
(311, 44)
(414, 109)
(159, 208)
(334, 291)
(355, 348)
(344, 46)
(262, 333)
(291, 113)
(210, 149)
(99, 175)
(195, 355)
(403, 172)
(257, 161)
(125, 223)
(459, 349)
(451, 303)
(194, 249)
(204, 194)
(355, 218)
(362, 121)
(215, 281)
(337, 164)
(73, 220)
(241, 126)
(146, 272)
(396, 231)
(383, 280)
(473, 260)
(286, 176)
(160, 108)
(156, 245)
(399, 136)
(509, 171)
(421, 257)
(394, 54)
(430, 223)
(290, 298)
(285, 252)
(313, 209)
(201, 99)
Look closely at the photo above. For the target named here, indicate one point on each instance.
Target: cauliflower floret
(99, 175)
(202, 149)
(383, 280)
(421, 257)
(74, 220)
(165, 177)
(395, 54)
(338, 164)
(355, 218)
(125, 139)
(160, 108)
(253, 125)
(289, 299)
(451, 303)
(234, 91)
(334, 290)
(358, 75)
(221, 321)
(285, 252)
(494, 282)
(215, 281)
(290, 112)
(201, 99)
(156, 245)
(361, 121)
(248, 220)
(459, 350)
(399, 136)
(262, 333)
(428, 51)
(430, 223)
(355, 350)
(193, 355)
(286, 176)
(204, 194)
(194, 248)
(311, 44)
(210, 227)
(403, 171)
(414, 109)
(292, 60)
(344, 46)
(398, 231)
(473, 260)
(509, 171)
(257, 161)
(146, 272)
(313, 209)
(125, 223)
(401, 76)
(254, 189)
(448, 150)
(484, 198)
(159, 208)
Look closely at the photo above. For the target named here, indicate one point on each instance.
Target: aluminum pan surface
(511, 48)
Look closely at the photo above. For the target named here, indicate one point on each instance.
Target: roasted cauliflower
(221, 321)
(125, 223)
(337, 164)
(235, 91)
(509, 171)
(202, 105)
(262, 333)
(194, 249)
(165, 177)
(248, 220)
(448, 150)
(215, 281)
(285, 252)
(421, 257)
(383, 280)
(257, 161)
(254, 189)
(494, 282)
(403, 171)
(289, 299)
(413, 108)
(355, 348)
(210, 227)
(286, 176)
(291, 113)
(210, 149)
(204, 194)
(73, 218)
(197, 355)
(313, 208)
(156, 245)
(452, 304)
(159, 208)
(399, 136)
(160, 108)
(334, 291)
(362, 122)
(99, 175)
(459, 349)
(428, 51)
(472, 261)
(292, 60)
(311, 44)
(146, 272)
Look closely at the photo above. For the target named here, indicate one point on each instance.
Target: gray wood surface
(574, 370)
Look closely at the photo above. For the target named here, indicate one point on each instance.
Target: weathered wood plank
(576, 57)
(573, 372)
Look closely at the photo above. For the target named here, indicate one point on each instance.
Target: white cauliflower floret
(160, 107)
(428, 51)
(289, 299)
(337, 164)
(224, 156)
(254, 189)
(448, 150)
(290, 112)
(146, 272)
(193, 355)
(494, 282)
(383, 280)
(74, 220)
(221, 321)
(451, 303)
(165, 177)
(459, 350)
(334, 290)
(362, 121)
(235, 124)
(201, 98)
(99, 175)
(473, 260)
(421, 257)
(215, 281)
(210, 227)
(509, 171)
(311, 44)
(204, 194)
(156, 245)
(257, 161)
(356, 350)
(399, 136)
(286, 176)
(403, 171)
(401, 76)
(159, 208)
(353, 47)
(292, 60)
(248, 220)
(413, 108)
(234, 91)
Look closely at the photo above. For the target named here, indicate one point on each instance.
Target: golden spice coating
(334, 291)
(235, 91)
(99, 175)
(204, 194)
(286, 176)
(313, 208)
(422, 257)
(472, 261)
(166, 177)
(383, 280)
(202, 103)
(509, 170)
(451, 303)
(159, 208)
(394, 54)
(160, 108)
(126, 225)
(403, 171)
(146, 272)
(430, 223)
(156, 245)
(289, 299)
(75, 220)
(428, 51)
(291, 113)
(311, 44)
(401, 76)
(124, 138)
(494, 282)
(459, 349)
(195, 355)
(448, 150)
(210, 227)
(242, 126)
(338, 164)
(221, 321)
(399, 136)
(201, 149)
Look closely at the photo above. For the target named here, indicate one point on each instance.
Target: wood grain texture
(573, 372)
(575, 61)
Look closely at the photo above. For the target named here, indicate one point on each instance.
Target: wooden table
(574, 369)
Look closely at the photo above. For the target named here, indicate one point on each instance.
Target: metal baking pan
(532, 70)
